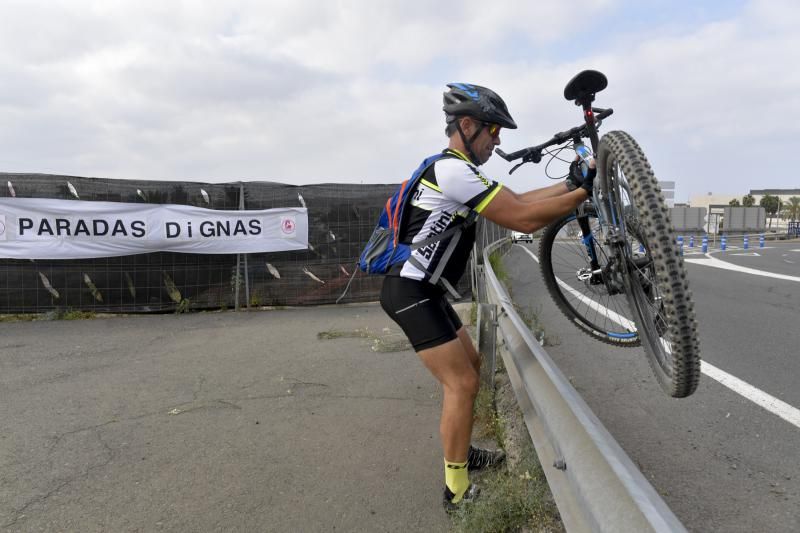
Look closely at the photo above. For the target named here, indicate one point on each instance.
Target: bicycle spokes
(588, 276)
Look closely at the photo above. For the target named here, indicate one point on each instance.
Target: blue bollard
(641, 248)
(680, 243)
(691, 241)
(761, 241)
(705, 244)
(746, 242)
(723, 243)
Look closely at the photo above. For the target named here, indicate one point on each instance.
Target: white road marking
(749, 254)
(757, 396)
(716, 263)
(619, 319)
(772, 404)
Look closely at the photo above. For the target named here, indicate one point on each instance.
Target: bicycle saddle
(585, 84)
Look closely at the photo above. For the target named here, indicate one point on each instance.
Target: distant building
(782, 194)
(668, 189)
(707, 200)
(715, 205)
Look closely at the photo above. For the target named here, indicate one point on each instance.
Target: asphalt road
(721, 462)
(781, 257)
(218, 422)
(750, 324)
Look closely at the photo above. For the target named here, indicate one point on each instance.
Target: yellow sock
(456, 476)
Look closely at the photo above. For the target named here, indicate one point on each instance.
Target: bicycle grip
(501, 153)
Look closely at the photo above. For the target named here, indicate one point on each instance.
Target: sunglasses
(494, 129)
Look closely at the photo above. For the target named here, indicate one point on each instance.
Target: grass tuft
(76, 314)
(499, 269)
(18, 318)
(511, 500)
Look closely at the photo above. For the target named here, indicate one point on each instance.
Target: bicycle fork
(594, 273)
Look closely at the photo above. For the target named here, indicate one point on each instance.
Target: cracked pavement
(216, 422)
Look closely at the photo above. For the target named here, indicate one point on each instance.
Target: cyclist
(451, 192)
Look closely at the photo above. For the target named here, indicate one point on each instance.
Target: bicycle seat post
(588, 116)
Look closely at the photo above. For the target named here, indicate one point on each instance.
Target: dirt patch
(383, 342)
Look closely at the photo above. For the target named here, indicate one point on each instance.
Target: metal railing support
(487, 341)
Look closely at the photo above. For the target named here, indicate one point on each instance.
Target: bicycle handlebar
(534, 153)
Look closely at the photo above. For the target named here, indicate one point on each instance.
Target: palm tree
(748, 201)
(771, 204)
(734, 203)
(791, 208)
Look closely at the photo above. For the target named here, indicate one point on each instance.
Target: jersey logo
(438, 227)
(480, 176)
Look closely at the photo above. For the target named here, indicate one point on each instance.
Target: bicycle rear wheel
(656, 285)
(593, 303)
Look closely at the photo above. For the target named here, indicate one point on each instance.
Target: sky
(304, 92)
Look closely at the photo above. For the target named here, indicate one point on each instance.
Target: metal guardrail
(595, 484)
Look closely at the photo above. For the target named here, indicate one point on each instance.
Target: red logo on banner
(287, 225)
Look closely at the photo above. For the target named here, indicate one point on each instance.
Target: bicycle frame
(614, 229)
(582, 92)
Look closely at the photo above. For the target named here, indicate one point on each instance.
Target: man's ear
(467, 126)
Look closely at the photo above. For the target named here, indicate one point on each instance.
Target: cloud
(350, 91)
(711, 106)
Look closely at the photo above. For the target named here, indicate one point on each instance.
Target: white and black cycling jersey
(443, 198)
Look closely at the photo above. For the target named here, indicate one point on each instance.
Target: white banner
(43, 228)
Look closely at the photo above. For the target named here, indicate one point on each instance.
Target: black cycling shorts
(421, 310)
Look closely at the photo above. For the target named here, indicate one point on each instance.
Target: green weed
(18, 318)
(510, 501)
(496, 261)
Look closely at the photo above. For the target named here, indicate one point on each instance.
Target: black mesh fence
(341, 218)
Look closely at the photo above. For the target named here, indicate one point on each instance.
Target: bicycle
(613, 267)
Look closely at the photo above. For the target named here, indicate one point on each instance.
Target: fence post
(236, 281)
(246, 273)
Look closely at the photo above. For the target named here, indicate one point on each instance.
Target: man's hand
(576, 179)
(588, 181)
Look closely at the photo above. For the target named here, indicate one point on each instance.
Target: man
(450, 193)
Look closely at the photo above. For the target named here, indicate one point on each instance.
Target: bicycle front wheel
(655, 282)
(591, 301)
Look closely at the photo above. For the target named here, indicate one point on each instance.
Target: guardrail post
(480, 283)
(487, 341)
